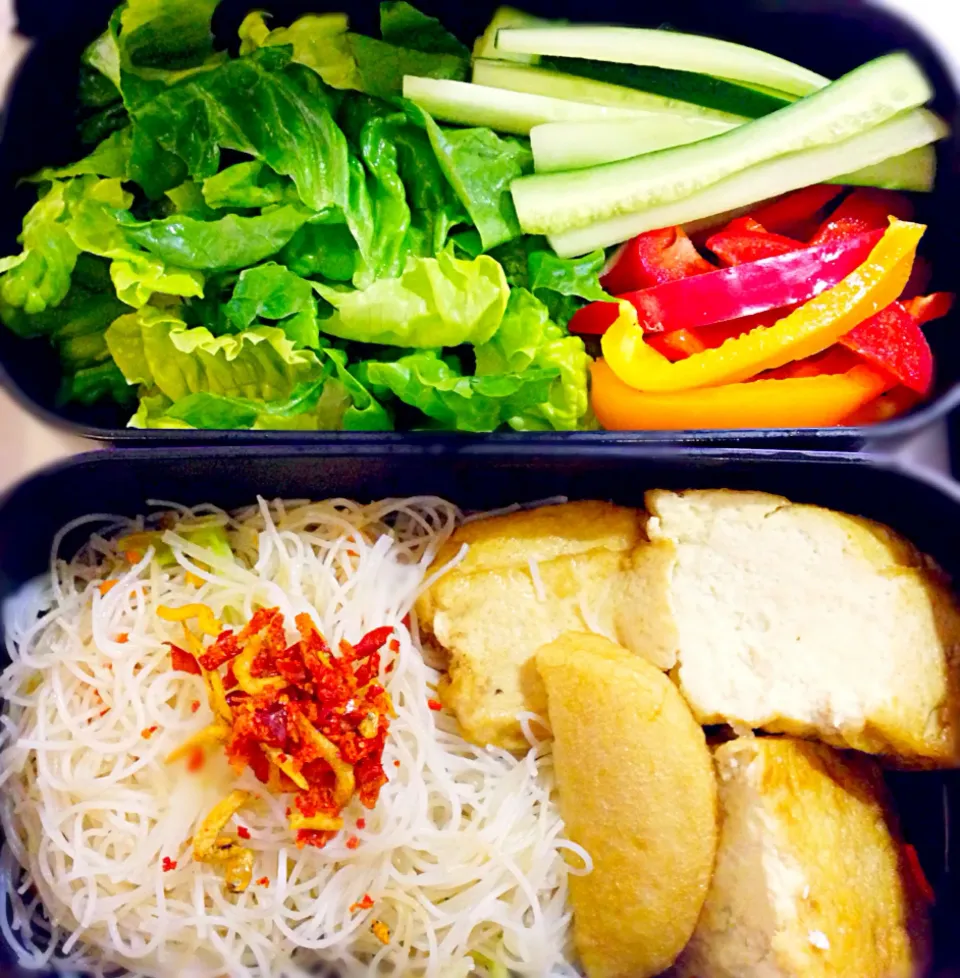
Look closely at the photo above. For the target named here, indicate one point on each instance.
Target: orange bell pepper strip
(814, 326)
(808, 402)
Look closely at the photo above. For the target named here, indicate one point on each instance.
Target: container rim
(713, 455)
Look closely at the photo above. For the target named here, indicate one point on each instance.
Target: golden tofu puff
(799, 620)
(637, 790)
(526, 579)
(811, 880)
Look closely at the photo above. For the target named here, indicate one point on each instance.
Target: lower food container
(923, 508)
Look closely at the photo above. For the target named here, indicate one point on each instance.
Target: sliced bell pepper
(886, 407)
(836, 360)
(811, 402)
(745, 239)
(653, 258)
(815, 326)
(864, 210)
(894, 341)
(677, 344)
(793, 214)
(926, 308)
(732, 293)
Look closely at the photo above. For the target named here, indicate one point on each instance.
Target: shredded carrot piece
(133, 556)
(149, 732)
(105, 587)
(193, 580)
(122, 638)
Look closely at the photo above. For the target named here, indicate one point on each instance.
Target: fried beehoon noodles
(458, 868)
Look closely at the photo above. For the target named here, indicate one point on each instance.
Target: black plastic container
(829, 36)
(924, 508)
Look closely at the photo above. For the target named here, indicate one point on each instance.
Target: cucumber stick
(915, 171)
(486, 46)
(506, 111)
(553, 203)
(902, 134)
(578, 145)
(664, 49)
(688, 86)
(537, 81)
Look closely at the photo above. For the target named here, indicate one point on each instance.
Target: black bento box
(829, 36)
(924, 508)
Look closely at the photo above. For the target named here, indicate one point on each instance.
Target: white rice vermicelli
(463, 853)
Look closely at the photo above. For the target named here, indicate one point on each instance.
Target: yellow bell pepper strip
(807, 402)
(814, 326)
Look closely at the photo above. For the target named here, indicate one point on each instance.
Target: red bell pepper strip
(864, 210)
(653, 258)
(894, 341)
(682, 343)
(745, 240)
(793, 213)
(810, 402)
(677, 344)
(835, 360)
(886, 407)
(926, 308)
(732, 293)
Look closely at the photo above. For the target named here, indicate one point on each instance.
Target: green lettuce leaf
(480, 166)
(39, 277)
(88, 385)
(272, 291)
(157, 38)
(412, 44)
(326, 251)
(528, 340)
(438, 388)
(95, 228)
(405, 26)
(243, 185)
(232, 242)
(335, 400)
(435, 302)
(319, 41)
(564, 285)
(381, 67)
(155, 347)
(110, 159)
(260, 105)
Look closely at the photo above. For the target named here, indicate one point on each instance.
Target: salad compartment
(830, 37)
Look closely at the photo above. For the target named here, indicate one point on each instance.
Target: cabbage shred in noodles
(460, 861)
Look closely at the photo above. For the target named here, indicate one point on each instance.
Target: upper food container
(829, 38)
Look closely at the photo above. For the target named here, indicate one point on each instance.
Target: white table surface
(26, 444)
